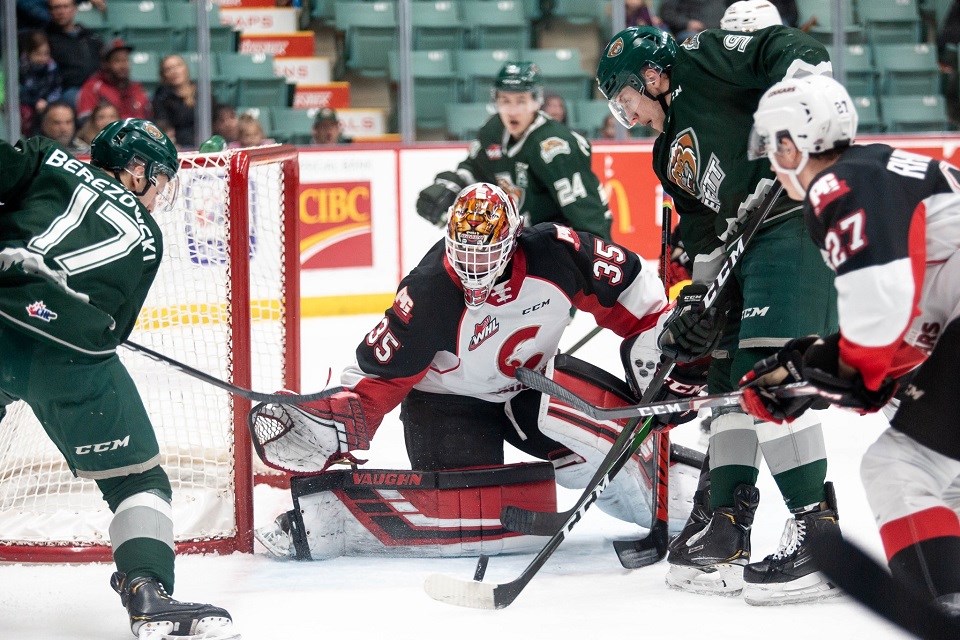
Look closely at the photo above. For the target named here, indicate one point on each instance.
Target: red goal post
(226, 301)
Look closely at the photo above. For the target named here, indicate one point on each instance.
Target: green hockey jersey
(547, 171)
(89, 231)
(701, 157)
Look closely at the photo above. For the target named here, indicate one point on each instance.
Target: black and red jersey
(430, 340)
(884, 218)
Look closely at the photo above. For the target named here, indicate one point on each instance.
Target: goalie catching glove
(309, 438)
(814, 361)
(434, 201)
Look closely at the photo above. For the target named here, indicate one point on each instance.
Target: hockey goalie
(489, 298)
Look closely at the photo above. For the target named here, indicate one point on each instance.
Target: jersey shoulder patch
(553, 146)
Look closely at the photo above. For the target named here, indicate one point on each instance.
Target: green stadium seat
(145, 25)
(184, 14)
(890, 21)
(322, 10)
(907, 69)
(577, 11)
(478, 68)
(562, 72)
(293, 126)
(587, 116)
(437, 25)
(823, 30)
(254, 81)
(868, 114)
(860, 70)
(90, 17)
(371, 32)
(913, 113)
(245, 65)
(464, 119)
(435, 84)
(145, 66)
(496, 25)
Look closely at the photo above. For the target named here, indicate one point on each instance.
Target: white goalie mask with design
(481, 237)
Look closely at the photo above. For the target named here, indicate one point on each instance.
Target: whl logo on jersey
(483, 330)
(40, 311)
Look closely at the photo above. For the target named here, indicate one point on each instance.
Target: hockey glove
(820, 368)
(434, 201)
(783, 367)
(309, 438)
(692, 332)
(640, 362)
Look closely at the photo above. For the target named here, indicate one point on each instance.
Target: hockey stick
(256, 396)
(582, 341)
(871, 585)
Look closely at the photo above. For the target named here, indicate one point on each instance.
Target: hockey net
(226, 301)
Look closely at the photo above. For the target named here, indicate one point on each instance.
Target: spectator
(327, 128)
(555, 106)
(639, 14)
(74, 48)
(250, 132)
(689, 17)
(609, 129)
(225, 122)
(102, 115)
(112, 84)
(32, 14)
(175, 99)
(40, 82)
(58, 122)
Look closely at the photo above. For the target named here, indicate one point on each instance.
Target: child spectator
(102, 115)
(225, 122)
(40, 82)
(555, 106)
(251, 132)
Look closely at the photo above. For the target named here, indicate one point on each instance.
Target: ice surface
(581, 593)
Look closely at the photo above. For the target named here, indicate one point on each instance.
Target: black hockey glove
(783, 367)
(820, 368)
(692, 332)
(434, 201)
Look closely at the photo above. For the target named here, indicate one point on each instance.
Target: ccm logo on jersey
(403, 306)
(539, 305)
(552, 147)
(102, 447)
(826, 190)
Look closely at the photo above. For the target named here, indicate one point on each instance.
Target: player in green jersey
(79, 249)
(542, 163)
(701, 96)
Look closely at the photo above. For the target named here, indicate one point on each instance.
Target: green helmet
(122, 141)
(628, 53)
(519, 76)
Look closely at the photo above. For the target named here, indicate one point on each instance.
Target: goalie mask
(750, 15)
(816, 113)
(481, 238)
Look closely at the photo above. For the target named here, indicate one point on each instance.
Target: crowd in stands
(64, 64)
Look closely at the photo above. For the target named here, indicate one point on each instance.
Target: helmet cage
(481, 238)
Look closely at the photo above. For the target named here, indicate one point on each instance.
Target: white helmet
(481, 238)
(815, 112)
(750, 15)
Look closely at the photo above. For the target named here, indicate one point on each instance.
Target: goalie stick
(256, 396)
(867, 582)
(477, 594)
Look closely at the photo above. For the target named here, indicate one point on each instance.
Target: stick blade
(461, 593)
(651, 549)
(532, 523)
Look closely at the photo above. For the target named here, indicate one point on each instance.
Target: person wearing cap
(327, 128)
(112, 84)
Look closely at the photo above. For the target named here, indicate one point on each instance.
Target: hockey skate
(277, 538)
(154, 615)
(789, 576)
(711, 561)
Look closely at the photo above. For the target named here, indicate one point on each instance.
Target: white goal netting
(222, 303)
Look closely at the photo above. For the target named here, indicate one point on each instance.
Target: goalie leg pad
(628, 497)
(424, 514)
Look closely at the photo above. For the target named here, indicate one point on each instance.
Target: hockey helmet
(624, 59)
(481, 238)
(519, 76)
(750, 15)
(815, 112)
(125, 144)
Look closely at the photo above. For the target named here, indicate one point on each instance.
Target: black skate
(697, 521)
(789, 575)
(154, 615)
(711, 561)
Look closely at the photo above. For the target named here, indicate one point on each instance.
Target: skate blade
(814, 587)
(717, 580)
(207, 629)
